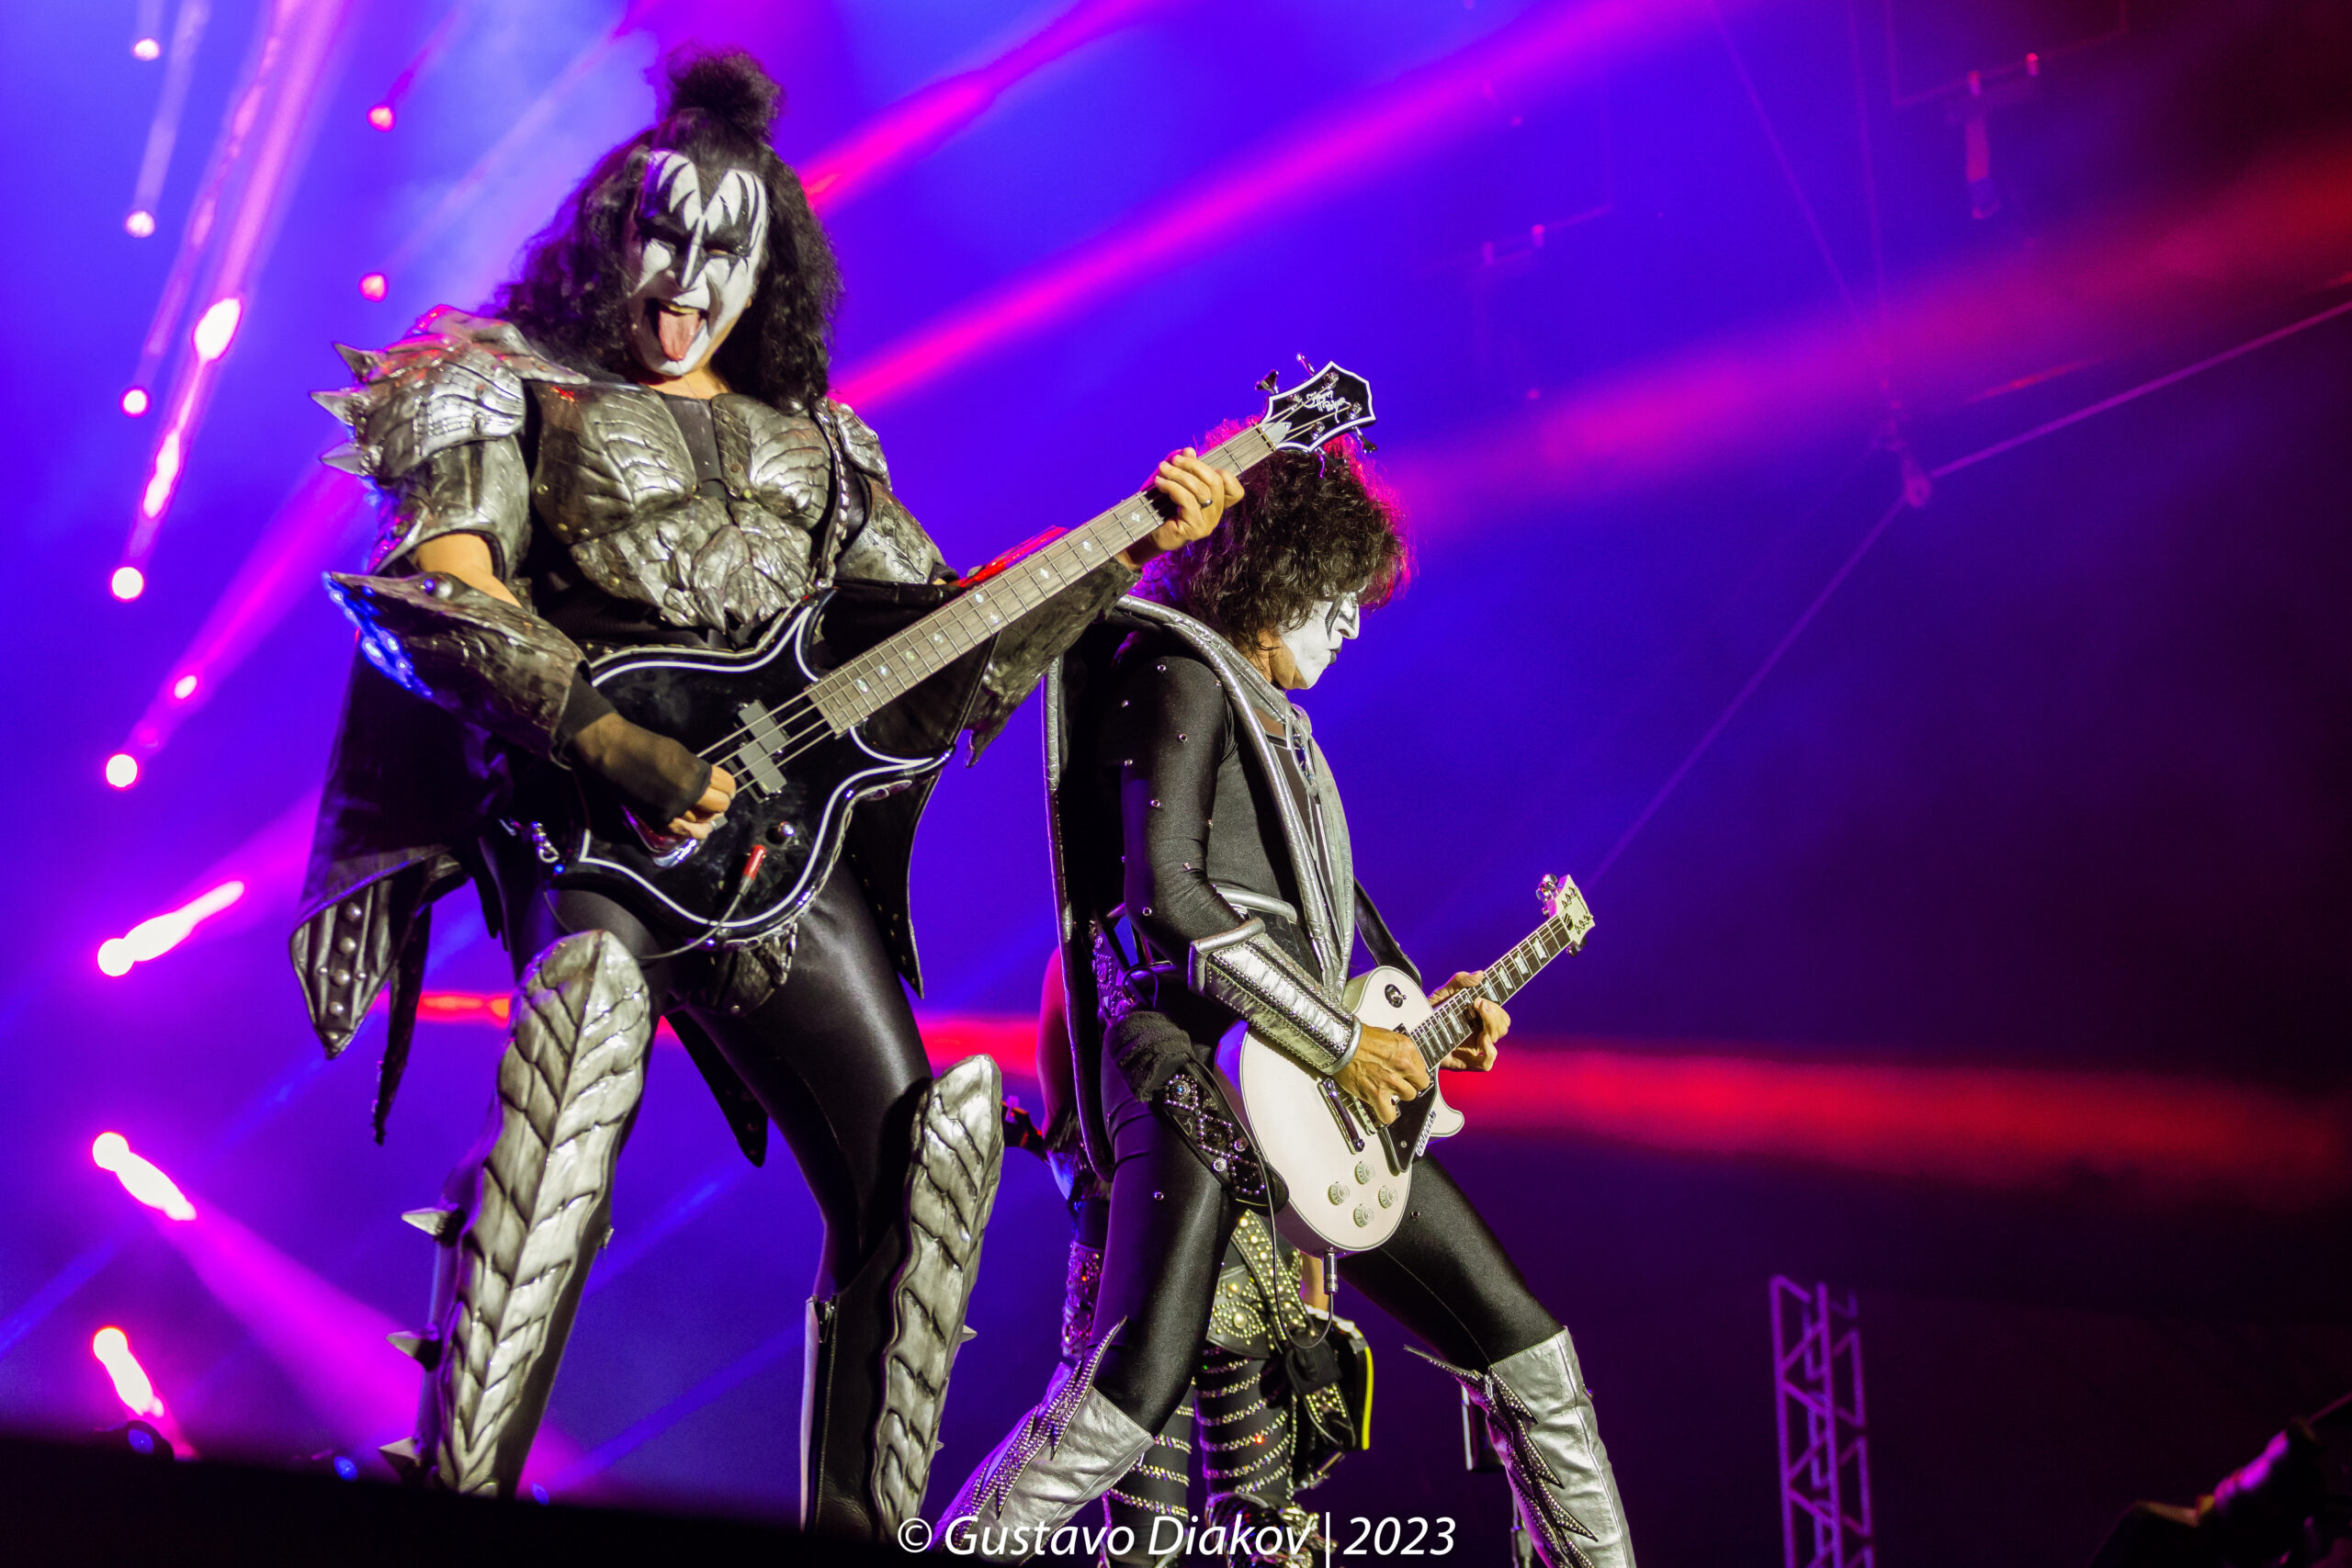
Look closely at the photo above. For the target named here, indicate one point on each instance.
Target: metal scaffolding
(1817, 1403)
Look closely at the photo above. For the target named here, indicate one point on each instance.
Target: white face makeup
(1315, 641)
(694, 245)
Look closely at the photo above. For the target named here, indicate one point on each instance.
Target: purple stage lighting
(122, 768)
(154, 938)
(135, 402)
(140, 1178)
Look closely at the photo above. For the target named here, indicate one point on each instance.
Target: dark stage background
(1971, 876)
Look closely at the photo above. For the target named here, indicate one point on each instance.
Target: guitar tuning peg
(1307, 364)
(1548, 892)
(1271, 378)
(1369, 445)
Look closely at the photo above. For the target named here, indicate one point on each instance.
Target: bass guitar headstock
(1331, 403)
(1563, 901)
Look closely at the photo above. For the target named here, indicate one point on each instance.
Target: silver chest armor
(615, 483)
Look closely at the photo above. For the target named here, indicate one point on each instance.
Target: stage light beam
(380, 116)
(122, 772)
(127, 583)
(217, 328)
(374, 286)
(139, 224)
(154, 938)
(132, 1384)
(147, 48)
(140, 1178)
(134, 403)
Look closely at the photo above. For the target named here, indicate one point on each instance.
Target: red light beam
(1984, 1127)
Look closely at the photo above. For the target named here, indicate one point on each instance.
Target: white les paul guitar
(1350, 1177)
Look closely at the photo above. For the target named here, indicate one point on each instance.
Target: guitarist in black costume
(634, 447)
(1200, 873)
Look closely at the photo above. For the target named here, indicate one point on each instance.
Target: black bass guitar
(789, 720)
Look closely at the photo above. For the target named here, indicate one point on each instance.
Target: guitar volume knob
(1362, 1216)
(1363, 1174)
(1338, 1194)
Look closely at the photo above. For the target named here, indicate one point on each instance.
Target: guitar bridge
(1338, 1105)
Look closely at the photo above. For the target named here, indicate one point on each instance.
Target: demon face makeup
(693, 245)
(1315, 641)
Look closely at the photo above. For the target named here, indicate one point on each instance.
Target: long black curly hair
(570, 297)
(1310, 527)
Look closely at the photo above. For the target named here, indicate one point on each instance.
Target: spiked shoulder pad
(455, 378)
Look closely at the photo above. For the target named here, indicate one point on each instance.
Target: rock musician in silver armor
(1208, 881)
(634, 446)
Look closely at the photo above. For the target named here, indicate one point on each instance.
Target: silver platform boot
(1539, 1417)
(524, 1214)
(1065, 1453)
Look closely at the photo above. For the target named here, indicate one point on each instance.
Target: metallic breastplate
(615, 483)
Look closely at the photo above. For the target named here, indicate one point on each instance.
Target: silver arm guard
(1249, 972)
(494, 666)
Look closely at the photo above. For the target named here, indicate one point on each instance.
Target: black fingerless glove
(654, 775)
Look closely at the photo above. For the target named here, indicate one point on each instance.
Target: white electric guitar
(1350, 1177)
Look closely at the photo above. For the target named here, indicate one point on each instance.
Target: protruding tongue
(677, 330)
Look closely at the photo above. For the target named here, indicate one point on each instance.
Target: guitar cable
(744, 877)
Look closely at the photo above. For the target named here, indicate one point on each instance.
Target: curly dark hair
(570, 297)
(1310, 527)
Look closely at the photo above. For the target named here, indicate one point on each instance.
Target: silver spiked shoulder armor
(433, 423)
(498, 668)
(1248, 971)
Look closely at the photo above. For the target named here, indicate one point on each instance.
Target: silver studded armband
(1248, 971)
(489, 662)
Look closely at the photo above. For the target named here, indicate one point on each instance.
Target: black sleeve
(1168, 735)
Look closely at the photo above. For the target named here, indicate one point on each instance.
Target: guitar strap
(831, 534)
(1378, 940)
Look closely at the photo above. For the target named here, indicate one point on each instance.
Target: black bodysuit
(1193, 814)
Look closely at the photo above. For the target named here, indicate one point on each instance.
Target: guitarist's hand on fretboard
(1385, 1069)
(1199, 494)
(1476, 1054)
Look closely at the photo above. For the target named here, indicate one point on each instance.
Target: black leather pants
(834, 1058)
(1444, 1275)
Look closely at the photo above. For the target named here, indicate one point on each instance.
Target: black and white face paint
(1315, 641)
(694, 245)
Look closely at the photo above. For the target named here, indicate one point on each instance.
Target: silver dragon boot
(1073, 1447)
(524, 1214)
(1539, 1417)
(879, 1352)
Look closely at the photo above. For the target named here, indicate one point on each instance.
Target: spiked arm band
(493, 665)
(1249, 972)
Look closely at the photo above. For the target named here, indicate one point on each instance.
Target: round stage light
(147, 48)
(217, 328)
(135, 402)
(127, 583)
(122, 770)
(184, 688)
(380, 116)
(373, 285)
(139, 224)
